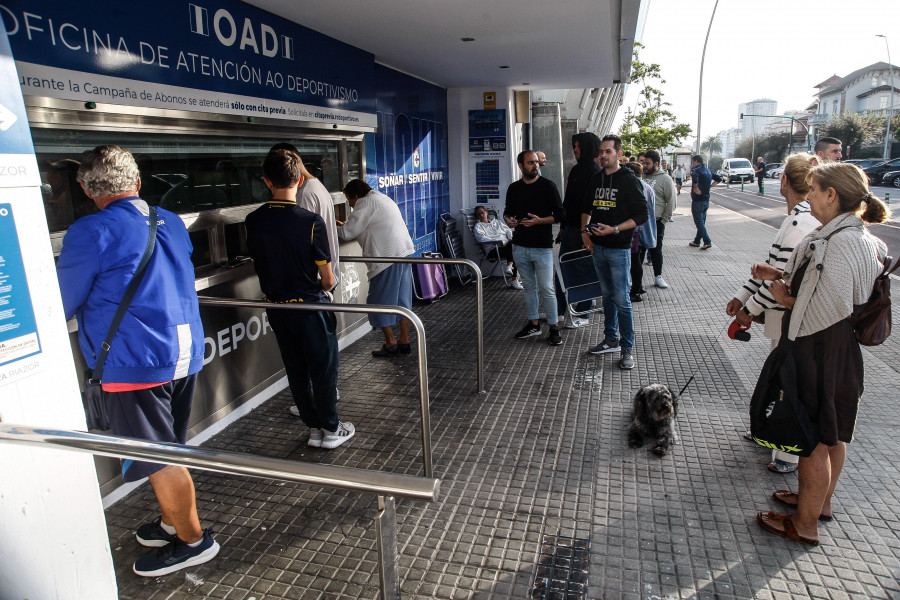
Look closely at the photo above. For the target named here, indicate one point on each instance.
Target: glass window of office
(180, 172)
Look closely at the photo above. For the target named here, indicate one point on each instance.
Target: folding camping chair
(578, 280)
(490, 252)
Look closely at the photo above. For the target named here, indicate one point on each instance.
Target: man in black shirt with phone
(614, 206)
(532, 206)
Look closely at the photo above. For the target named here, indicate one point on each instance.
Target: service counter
(208, 170)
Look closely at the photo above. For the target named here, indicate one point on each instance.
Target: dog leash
(706, 356)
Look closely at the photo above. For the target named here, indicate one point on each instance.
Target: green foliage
(712, 145)
(653, 126)
(715, 163)
(855, 130)
(773, 148)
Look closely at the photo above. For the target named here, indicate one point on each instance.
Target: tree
(773, 148)
(712, 145)
(854, 130)
(653, 126)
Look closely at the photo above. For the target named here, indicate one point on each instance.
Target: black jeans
(309, 350)
(656, 255)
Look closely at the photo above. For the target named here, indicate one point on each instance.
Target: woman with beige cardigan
(833, 269)
(378, 226)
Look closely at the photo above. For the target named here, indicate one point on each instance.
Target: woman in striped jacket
(754, 298)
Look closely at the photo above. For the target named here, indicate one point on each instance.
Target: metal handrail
(479, 307)
(360, 308)
(385, 485)
(224, 461)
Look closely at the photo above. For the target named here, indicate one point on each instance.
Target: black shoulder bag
(95, 407)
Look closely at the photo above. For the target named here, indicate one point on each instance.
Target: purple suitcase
(429, 280)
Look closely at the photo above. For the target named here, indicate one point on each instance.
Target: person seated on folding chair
(490, 230)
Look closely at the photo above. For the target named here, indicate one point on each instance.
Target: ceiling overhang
(523, 45)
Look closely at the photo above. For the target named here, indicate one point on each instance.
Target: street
(770, 209)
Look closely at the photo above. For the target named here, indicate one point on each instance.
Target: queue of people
(822, 262)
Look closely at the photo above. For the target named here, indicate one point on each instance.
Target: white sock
(167, 528)
(197, 543)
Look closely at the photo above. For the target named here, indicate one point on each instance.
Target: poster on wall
(225, 57)
(18, 329)
(20, 344)
(487, 152)
(406, 158)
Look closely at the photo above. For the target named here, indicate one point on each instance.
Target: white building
(729, 138)
(755, 125)
(865, 91)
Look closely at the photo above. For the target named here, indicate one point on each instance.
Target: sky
(775, 49)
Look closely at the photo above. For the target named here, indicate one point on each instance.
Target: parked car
(776, 172)
(737, 169)
(876, 172)
(863, 163)
(891, 178)
(771, 167)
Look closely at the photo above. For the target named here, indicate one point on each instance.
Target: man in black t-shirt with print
(291, 255)
(613, 207)
(532, 206)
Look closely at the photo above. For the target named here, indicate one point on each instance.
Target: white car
(737, 169)
(775, 173)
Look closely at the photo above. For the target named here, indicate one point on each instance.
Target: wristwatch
(616, 229)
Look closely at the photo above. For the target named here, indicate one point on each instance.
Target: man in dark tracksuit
(614, 205)
(292, 257)
(586, 147)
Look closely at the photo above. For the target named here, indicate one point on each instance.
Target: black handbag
(94, 402)
(778, 419)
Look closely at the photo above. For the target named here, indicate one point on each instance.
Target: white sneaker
(315, 438)
(333, 439)
(516, 284)
(509, 270)
(294, 410)
(660, 282)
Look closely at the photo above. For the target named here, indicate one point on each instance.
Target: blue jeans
(698, 210)
(535, 267)
(614, 272)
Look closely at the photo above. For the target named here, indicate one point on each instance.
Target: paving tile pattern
(543, 453)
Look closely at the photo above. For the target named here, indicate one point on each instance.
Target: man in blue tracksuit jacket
(149, 374)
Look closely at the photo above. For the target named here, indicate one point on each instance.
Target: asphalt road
(771, 209)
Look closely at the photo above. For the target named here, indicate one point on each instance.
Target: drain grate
(562, 569)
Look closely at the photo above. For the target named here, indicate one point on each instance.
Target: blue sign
(18, 329)
(487, 130)
(406, 158)
(222, 47)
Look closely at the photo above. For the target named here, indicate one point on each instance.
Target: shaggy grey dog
(653, 417)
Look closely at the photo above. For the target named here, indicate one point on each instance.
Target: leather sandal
(789, 531)
(385, 351)
(777, 496)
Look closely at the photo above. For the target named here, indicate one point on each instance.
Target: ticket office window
(179, 172)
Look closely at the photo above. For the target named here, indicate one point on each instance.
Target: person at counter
(149, 373)
(291, 255)
(314, 197)
(378, 226)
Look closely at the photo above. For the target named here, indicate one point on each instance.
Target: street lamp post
(887, 133)
(702, 60)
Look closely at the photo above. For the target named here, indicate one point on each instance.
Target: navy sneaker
(175, 556)
(153, 535)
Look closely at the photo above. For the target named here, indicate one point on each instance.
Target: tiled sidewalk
(543, 453)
